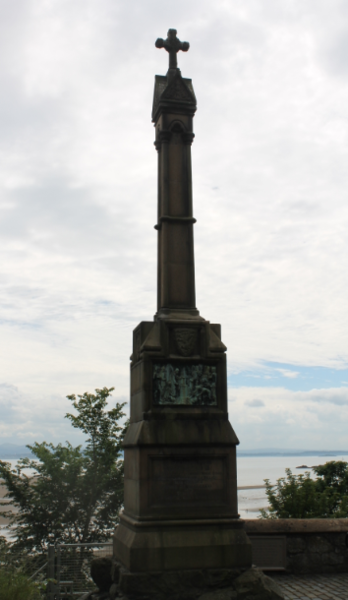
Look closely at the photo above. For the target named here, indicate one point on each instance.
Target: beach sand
(4, 520)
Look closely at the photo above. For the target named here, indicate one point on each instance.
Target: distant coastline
(11, 451)
(14, 451)
(279, 452)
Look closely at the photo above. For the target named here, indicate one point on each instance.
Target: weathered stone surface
(296, 545)
(113, 592)
(227, 594)
(296, 526)
(174, 585)
(115, 570)
(255, 585)
(182, 544)
(218, 584)
(318, 544)
(101, 573)
(335, 559)
(300, 563)
(312, 545)
(95, 595)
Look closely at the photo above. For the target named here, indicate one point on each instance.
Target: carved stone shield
(185, 340)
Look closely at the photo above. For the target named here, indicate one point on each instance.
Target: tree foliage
(301, 497)
(74, 493)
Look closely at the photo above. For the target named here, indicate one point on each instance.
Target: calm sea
(252, 470)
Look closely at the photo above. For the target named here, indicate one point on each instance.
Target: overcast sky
(78, 205)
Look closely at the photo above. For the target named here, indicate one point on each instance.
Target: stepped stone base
(208, 584)
(175, 545)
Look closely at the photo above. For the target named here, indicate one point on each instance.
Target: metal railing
(69, 566)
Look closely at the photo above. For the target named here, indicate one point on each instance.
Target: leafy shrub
(14, 578)
(301, 497)
(15, 585)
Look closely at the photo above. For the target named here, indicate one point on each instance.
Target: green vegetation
(75, 493)
(301, 497)
(15, 583)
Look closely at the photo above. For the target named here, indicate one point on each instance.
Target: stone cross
(172, 44)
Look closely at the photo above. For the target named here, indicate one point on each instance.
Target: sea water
(253, 470)
(13, 463)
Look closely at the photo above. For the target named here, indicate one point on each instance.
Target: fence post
(52, 588)
(58, 566)
(50, 562)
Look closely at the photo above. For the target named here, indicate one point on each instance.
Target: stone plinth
(203, 584)
(180, 507)
(180, 545)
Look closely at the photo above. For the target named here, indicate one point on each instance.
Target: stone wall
(301, 545)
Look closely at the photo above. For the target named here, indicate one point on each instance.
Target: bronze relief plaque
(180, 384)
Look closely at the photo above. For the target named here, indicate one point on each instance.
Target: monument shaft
(176, 270)
(180, 505)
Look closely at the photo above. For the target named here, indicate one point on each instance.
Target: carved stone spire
(173, 110)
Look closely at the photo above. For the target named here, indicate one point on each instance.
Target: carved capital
(188, 138)
(164, 136)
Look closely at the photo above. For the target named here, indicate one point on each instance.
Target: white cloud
(288, 373)
(314, 419)
(254, 403)
(78, 188)
(29, 417)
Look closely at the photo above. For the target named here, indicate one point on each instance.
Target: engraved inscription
(187, 481)
(193, 385)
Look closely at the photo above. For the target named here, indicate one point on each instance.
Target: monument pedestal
(180, 505)
(182, 544)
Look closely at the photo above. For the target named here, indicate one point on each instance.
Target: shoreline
(3, 489)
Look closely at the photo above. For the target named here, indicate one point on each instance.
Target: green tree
(74, 494)
(301, 497)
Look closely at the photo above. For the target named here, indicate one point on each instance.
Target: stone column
(174, 106)
(176, 269)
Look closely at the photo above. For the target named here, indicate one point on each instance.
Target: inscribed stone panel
(188, 481)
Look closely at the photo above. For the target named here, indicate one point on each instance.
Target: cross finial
(172, 44)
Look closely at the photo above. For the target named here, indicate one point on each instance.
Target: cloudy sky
(78, 205)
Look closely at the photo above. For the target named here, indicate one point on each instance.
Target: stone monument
(180, 511)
